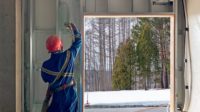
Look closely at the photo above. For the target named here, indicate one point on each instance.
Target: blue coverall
(64, 100)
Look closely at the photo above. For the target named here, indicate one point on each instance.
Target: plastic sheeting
(194, 35)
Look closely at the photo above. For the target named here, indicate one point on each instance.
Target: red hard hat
(54, 43)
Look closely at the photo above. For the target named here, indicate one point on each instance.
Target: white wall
(194, 32)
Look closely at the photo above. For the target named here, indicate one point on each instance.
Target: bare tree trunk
(110, 53)
(94, 64)
(101, 54)
(123, 30)
(104, 55)
(129, 28)
(120, 31)
(113, 41)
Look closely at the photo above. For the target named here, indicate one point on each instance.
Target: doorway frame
(172, 17)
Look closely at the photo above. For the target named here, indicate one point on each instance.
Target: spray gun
(69, 27)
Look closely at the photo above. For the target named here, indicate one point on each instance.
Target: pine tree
(123, 66)
(146, 51)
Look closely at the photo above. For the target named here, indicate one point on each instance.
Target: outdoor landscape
(127, 54)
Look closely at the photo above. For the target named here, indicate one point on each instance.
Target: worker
(57, 71)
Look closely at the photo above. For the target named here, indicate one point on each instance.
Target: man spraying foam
(58, 72)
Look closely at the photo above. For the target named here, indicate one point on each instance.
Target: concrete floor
(137, 109)
(37, 108)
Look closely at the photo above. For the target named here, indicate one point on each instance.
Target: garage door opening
(128, 62)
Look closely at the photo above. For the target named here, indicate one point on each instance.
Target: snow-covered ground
(128, 97)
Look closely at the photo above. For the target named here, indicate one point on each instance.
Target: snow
(128, 97)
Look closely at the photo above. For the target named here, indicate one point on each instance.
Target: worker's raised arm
(76, 45)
